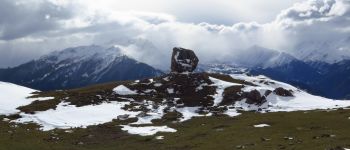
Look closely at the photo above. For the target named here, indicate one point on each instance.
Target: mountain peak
(78, 66)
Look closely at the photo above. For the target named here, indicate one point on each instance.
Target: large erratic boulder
(183, 60)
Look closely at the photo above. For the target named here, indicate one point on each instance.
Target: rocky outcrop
(282, 92)
(183, 60)
(254, 97)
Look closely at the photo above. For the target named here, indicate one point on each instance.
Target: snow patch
(261, 125)
(42, 98)
(146, 131)
(157, 84)
(123, 90)
(232, 112)
(221, 85)
(170, 90)
(160, 137)
(67, 116)
(151, 115)
(188, 113)
(13, 96)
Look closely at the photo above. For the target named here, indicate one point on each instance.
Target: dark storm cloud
(23, 18)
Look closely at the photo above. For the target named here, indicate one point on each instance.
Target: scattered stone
(69, 131)
(123, 117)
(267, 93)
(283, 92)
(6, 119)
(265, 139)
(219, 129)
(338, 148)
(142, 114)
(328, 135)
(288, 138)
(254, 97)
(240, 146)
(183, 60)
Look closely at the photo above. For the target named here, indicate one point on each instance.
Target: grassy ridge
(288, 130)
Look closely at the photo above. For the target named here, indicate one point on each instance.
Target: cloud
(25, 17)
(149, 36)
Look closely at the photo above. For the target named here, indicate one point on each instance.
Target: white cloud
(154, 33)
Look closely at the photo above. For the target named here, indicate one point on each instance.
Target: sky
(147, 30)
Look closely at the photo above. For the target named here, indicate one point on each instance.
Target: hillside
(175, 108)
(77, 67)
(179, 110)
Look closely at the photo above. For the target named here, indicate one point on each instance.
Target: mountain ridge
(76, 67)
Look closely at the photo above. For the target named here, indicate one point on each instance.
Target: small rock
(254, 97)
(288, 138)
(283, 92)
(69, 131)
(240, 146)
(328, 135)
(123, 117)
(265, 139)
(219, 129)
(6, 119)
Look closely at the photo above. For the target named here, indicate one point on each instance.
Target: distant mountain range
(86, 65)
(326, 79)
(77, 67)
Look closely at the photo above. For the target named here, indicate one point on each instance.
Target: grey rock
(183, 60)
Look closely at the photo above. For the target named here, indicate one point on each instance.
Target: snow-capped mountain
(76, 67)
(329, 52)
(221, 68)
(328, 80)
(260, 57)
(314, 75)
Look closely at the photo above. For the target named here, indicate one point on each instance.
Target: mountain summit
(77, 67)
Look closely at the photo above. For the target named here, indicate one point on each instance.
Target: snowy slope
(300, 101)
(13, 96)
(134, 99)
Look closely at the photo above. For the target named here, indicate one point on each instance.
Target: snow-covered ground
(70, 116)
(148, 130)
(13, 96)
(300, 101)
(123, 90)
(221, 85)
